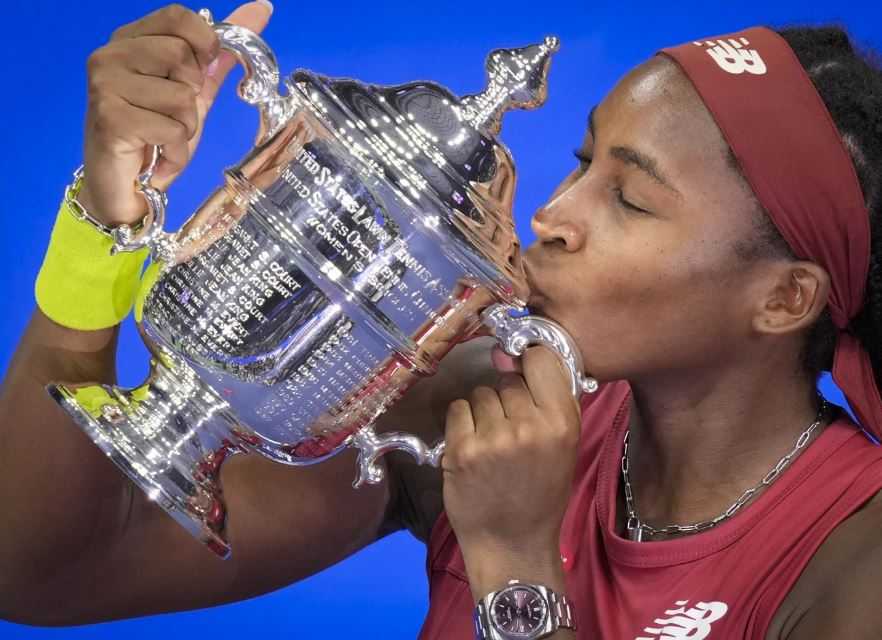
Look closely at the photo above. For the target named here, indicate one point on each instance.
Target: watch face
(518, 611)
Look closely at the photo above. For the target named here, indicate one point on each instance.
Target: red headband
(794, 159)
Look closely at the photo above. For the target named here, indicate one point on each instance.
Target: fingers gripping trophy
(366, 233)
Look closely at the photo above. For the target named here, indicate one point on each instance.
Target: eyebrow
(632, 157)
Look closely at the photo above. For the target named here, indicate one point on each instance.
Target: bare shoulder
(837, 595)
(417, 496)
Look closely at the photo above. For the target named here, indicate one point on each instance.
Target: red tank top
(725, 583)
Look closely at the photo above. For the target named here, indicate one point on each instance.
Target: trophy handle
(260, 84)
(515, 331)
(152, 232)
(371, 446)
(259, 87)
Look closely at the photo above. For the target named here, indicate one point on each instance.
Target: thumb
(253, 16)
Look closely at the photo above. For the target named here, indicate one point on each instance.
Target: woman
(660, 256)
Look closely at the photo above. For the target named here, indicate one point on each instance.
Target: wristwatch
(522, 611)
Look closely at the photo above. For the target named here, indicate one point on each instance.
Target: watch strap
(560, 612)
(483, 630)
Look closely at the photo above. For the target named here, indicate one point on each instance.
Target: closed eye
(585, 162)
(620, 196)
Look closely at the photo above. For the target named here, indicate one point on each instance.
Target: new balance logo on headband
(733, 58)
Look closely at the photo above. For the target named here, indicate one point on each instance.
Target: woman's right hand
(152, 84)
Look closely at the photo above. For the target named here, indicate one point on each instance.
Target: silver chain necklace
(637, 529)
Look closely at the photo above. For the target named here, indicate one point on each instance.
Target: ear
(794, 301)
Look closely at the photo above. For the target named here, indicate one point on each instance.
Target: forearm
(60, 494)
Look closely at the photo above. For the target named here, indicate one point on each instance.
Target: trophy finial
(516, 79)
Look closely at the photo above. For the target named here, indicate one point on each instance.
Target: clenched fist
(152, 84)
(508, 468)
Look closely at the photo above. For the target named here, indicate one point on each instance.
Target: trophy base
(170, 436)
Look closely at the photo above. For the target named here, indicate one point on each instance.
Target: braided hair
(849, 82)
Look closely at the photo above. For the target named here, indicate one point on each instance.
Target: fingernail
(212, 67)
(267, 4)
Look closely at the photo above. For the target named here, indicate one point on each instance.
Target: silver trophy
(366, 233)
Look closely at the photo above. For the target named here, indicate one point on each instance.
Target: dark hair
(850, 84)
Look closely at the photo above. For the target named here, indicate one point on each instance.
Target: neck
(697, 444)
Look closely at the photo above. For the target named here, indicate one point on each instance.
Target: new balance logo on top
(732, 57)
(693, 623)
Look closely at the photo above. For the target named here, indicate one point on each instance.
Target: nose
(553, 225)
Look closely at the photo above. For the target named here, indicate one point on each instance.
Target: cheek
(653, 306)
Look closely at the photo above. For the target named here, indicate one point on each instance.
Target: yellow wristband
(80, 285)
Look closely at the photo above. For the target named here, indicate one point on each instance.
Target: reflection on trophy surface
(366, 233)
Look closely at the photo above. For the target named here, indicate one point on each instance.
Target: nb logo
(693, 623)
(732, 57)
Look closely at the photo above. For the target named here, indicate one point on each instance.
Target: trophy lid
(516, 79)
(439, 151)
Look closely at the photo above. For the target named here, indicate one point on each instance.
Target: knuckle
(458, 412)
(95, 85)
(504, 447)
(521, 427)
(175, 12)
(482, 394)
(189, 129)
(458, 455)
(184, 104)
(510, 380)
(100, 85)
(179, 52)
(96, 61)
(457, 407)
(467, 455)
(191, 120)
(523, 433)
(178, 132)
(103, 115)
(192, 29)
(121, 32)
(564, 433)
(180, 60)
(205, 39)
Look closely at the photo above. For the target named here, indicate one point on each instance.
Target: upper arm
(284, 524)
(839, 594)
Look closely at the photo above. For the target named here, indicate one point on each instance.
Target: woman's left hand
(508, 471)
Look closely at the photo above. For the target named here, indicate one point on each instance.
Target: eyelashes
(585, 161)
(620, 196)
(583, 158)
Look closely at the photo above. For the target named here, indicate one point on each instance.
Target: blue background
(380, 593)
